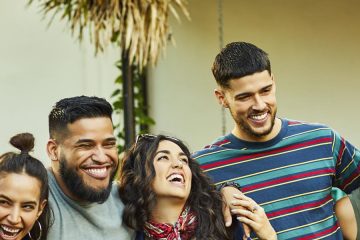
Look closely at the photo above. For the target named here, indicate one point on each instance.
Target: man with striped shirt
(288, 167)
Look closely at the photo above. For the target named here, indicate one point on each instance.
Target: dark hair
(137, 174)
(19, 163)
(68, 110)
(239, 59)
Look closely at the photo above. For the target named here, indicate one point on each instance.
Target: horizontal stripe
(287, 179)
(295, 147)
(276, 185)
(321, 234)
(302, 208)
(296, 196)
(273, 170)
(305, 132)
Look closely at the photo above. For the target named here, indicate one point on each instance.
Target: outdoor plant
(139, 27)
(142, 120)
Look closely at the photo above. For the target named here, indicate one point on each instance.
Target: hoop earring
(40, 228)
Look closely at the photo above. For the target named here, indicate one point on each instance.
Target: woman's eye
(163, 158)
(28, 207)
(185, 160)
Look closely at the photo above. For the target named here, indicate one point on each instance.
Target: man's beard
(79, 188)
(246, 127)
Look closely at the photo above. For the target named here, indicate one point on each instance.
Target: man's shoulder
(296, 126)
(300, 123)
(219, 144)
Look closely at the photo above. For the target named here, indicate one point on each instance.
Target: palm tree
(139, 27)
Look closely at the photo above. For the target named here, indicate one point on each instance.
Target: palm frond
(139, 27)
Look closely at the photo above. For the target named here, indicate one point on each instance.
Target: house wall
(40, 64)
(313, 46)
(314, 50)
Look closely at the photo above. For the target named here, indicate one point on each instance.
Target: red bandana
(183, 229)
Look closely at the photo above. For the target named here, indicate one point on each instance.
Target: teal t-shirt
(337, 194)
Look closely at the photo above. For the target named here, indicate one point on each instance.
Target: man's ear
(220, 95)
(274, 83)
(52, 149)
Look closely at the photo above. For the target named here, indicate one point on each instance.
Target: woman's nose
(14, 216)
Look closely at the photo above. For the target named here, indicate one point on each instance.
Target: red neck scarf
(183, 229)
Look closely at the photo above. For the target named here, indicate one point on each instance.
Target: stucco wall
(314, 48)
(40, 65)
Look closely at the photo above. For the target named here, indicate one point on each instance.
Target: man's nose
(99, 155)
(259, 103)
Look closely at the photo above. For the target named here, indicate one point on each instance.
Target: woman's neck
(167, 211)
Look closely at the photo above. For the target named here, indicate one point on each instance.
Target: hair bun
(23, 141)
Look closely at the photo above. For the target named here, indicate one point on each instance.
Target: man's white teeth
(259, 117)
(10, 230)
(96, 170)
(176, 176)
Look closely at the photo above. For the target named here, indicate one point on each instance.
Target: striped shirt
(290, 176)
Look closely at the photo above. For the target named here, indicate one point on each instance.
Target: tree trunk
(128, 91)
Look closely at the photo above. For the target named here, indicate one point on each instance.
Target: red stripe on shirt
(298, 208)
(286, 179)
(256, 155)
(319, 234)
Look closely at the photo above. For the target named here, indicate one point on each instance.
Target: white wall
(39, 66)
(314, 48)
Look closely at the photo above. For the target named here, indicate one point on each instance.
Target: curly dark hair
(137, 174)
(23, 162)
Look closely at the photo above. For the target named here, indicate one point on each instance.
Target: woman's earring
(40, 230)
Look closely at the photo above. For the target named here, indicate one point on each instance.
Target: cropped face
(87, 159)
(252, 104)
(172, 173)
(20, 205)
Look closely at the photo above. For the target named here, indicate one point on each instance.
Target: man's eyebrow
(270, 85)
(85, 140)
(110, 139)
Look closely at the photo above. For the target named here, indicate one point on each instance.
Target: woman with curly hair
(24, 210)
(167, 196)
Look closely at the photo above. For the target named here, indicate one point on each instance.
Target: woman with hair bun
(24, 209)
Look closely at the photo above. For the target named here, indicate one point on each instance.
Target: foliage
(142, 120)
(139, 26)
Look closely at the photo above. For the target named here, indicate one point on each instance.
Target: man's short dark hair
(239, 59)
(69, 110)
